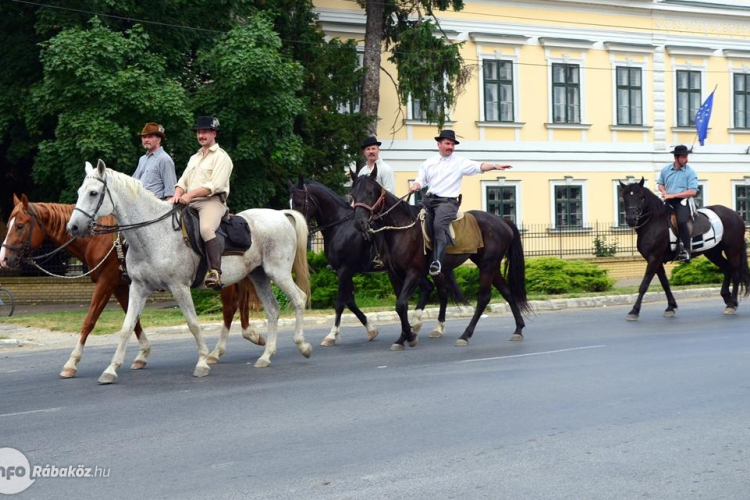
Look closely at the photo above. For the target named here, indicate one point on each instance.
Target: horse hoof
(632, 317)
(372, 334)
(262, 363)
(138, 364)
(413, 342)
(516, 337)
(201, 371)
(212, 360)
(328, 342)
(730, 310)
(397, 347)
(669, 314)
(435, 334)
(68, 373)
(462, 343)
(305, 349)
(106, 378)
(254, 337)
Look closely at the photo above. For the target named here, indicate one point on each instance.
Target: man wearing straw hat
(155, 168)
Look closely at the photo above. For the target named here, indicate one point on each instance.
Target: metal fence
(600, 239)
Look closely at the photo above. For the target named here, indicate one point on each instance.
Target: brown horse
(30, 224)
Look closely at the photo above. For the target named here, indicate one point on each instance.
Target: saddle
(464, 234)
(233, 235)
(706, 229)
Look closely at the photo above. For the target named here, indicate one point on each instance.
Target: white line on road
(46, 410)
(530, 354)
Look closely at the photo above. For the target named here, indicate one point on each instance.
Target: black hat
(206, 123)
(371, 141)
(681, 150)
(447, 134)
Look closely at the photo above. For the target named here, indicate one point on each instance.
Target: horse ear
(622, 184)
(300, 181)
(16, 201)
(25, 201)
(101, 167)
(642, 181)
(89, 168)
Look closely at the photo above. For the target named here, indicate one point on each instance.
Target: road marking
(46, 410)
(532, 354)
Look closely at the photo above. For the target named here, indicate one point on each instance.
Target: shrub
(699, 271)
(550, 275)
(602, 248)
(206, 301)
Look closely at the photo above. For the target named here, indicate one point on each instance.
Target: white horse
(158, 258)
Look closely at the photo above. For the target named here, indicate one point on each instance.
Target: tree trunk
(374, 11)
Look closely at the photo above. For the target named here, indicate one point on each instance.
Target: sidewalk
(15, 336)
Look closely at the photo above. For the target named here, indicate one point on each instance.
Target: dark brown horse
(30, 224)
(649, 215)
(391, 223)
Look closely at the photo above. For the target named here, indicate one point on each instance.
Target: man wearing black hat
(385, 177)
(155, 168)
(443, 174)
(678, 183)
(205, 186)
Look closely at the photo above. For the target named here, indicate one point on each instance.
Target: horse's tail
(515, 270)
(744, 271)
(454, 291)
(300, 268)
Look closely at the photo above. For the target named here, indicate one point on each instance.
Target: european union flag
(703, 116)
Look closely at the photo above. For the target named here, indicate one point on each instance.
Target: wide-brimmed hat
(447, 134)
(681, 150)
(206, 123)
(371, 141)
(152, 128)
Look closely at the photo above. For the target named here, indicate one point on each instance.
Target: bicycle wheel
(7, 303)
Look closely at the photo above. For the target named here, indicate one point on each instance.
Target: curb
(452, 312)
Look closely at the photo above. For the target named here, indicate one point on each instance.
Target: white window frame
(702, 68)
(503, 182)
(569, 181)
(344, 109)
(499, 56)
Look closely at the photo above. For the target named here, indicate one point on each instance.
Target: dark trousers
(442, 211)
(683, 217)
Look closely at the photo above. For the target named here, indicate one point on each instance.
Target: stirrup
(684, 256)
(435, 268)
(213, 279)
(377, 263)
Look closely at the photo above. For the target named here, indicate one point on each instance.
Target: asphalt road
(589, 406)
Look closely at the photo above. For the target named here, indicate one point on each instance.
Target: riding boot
(213, 276)
(437, 258)
(684, 254)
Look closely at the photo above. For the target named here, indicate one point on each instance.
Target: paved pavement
(9, 334)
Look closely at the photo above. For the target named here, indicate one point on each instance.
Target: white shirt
(385, 178)
(443, 174)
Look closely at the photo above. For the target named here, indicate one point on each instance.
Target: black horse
(649, 215)
(348, 253)
(398, 236)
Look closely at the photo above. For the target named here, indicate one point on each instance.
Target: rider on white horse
(205, 186)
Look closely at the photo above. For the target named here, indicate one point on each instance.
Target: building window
(501, 201)
(416, 198)
(742, 201)
(629, 96)
(568, 206)
(698, 198)
(566, 93)
(355, 104)
(688, 97)
(741, 101)
(498, 90)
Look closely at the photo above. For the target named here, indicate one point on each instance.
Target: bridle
(637, 212)
(25, 248)
(376, 212)
(310, 200)
(105, 191)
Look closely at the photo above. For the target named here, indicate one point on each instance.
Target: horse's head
(368, 201)
(634, 201)
(300, 200)
(25, 233)
(94, 200)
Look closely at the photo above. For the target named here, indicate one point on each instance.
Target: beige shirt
(211, 171)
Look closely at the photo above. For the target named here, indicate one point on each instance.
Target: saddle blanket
(464, 231)
(707, 232)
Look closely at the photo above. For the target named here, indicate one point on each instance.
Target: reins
(114, 245)
(375, 216)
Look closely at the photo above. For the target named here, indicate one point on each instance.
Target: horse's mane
(338, 199)
(134, 186)
(55, 217)
(653, 203)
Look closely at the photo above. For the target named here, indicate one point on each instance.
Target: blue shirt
(156, 173)
(677, 181)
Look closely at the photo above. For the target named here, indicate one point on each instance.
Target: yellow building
(578, 95)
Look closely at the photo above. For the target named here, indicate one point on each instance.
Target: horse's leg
(425, 291)
(502, 286)
(651, 268)
(271, 306)
(439, 329)
(298, 299)
(230, 302)
(246, 291)
(486, 277)
(121, 292)
(671, 302)
(730, 268)
(181, 294)
(98, 302)
(136, 302)
(404, 293)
